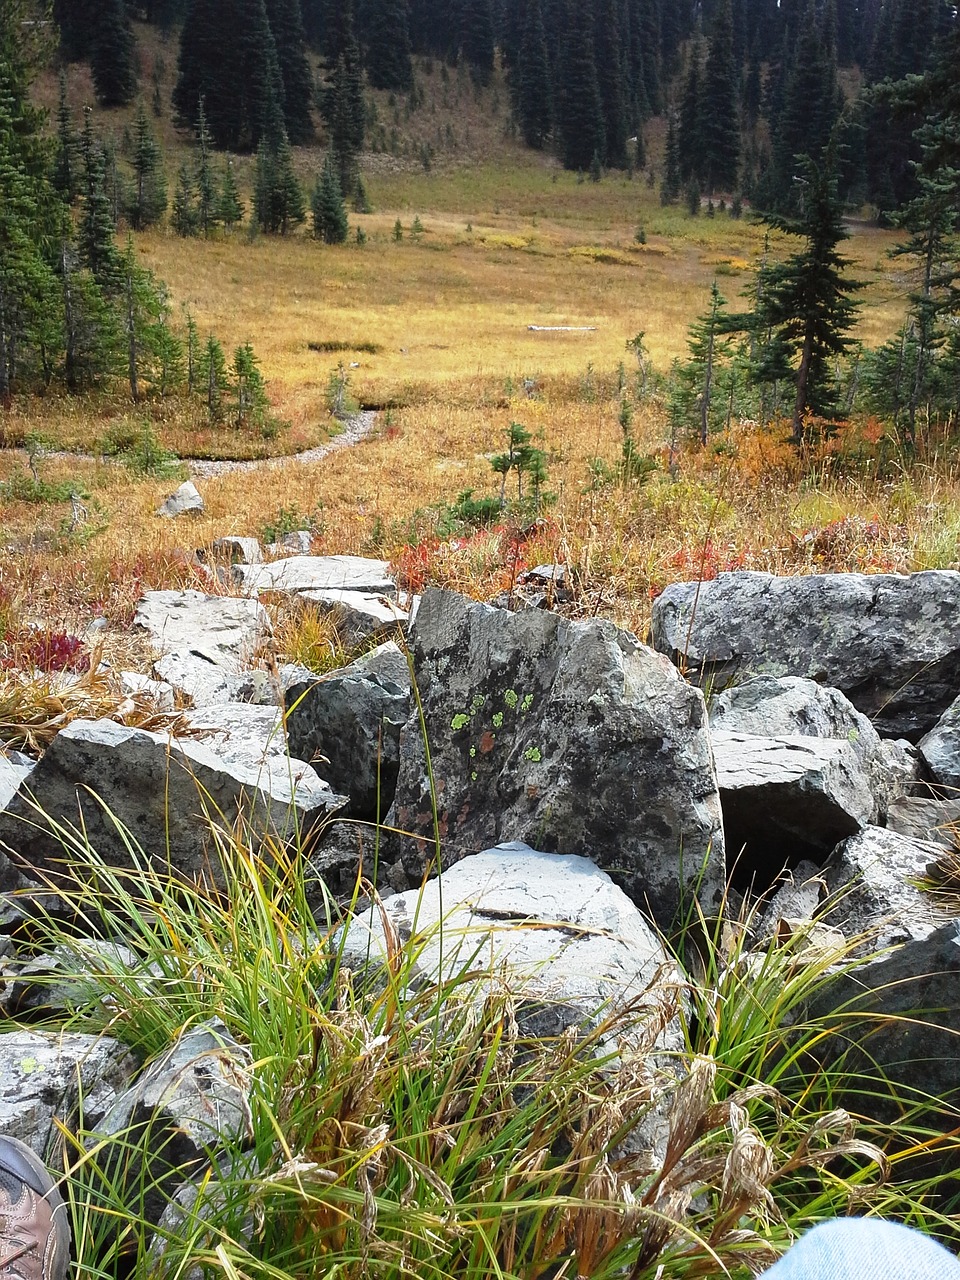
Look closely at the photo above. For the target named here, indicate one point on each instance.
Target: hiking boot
(34, 1232)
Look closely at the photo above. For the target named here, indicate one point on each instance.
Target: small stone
(186, 501)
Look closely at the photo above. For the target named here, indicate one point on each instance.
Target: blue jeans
(865, 1249)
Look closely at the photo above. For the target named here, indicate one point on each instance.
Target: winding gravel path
(355, 429)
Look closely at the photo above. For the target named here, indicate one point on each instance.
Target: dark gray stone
(890, 642)
(161, 793)
(792, 706)
(348, 725)
(937, 821)
(183, 1107)
(872, 881)
(941, 748)
(899, 1030)
(571, 736)
(46, 1075)
(787, 799)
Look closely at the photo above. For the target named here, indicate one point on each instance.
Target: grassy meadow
(434, 331)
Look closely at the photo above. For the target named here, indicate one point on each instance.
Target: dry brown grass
(509, 240)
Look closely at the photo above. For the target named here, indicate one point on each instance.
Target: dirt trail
(355, 429)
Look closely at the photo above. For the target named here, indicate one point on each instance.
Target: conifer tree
(212, 378)
(230, 209)
(278, 201)
(694, 394)
(207, 206)
(810, 108)
(387, 40)
(720, 120)
(250, 395)
(343, 105)
(184, 214)
(96, 230)
(65, 176)
(672, 182)
(806, 299)
(113, 56)
(579, 108)
(296, 79)
(533, 92)
(477, 38)
(329, 215)
(689, 125)
(611, 84)
(149, 202)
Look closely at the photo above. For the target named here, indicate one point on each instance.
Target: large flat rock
(555, 926)
(223, 631)
(570, 736)
(890, 642)
(317, 573)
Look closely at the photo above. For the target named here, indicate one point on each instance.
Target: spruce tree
(611, 84)
(344, 112)
(212, 378)
(113, 55)
(387, 40)
(207, 204)
(250, 395)
(329, 215)
(579, 107)
(694, 395)
(230, 209)
(672, 182)
(720, 121)
(477, 38)
(96, 229)
(809, 113)
(533, 91)
(66, 178)
(149, 202)
(689, 125)
(183, 217)
(806, 299)
(296, 78)
(278, 201)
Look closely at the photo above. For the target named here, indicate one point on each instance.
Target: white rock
(317, 573)
(224, 630)
(185, 501)
(359, 614)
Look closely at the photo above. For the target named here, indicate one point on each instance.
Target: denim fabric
(865, 1249)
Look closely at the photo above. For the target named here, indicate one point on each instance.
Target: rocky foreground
(575, 785)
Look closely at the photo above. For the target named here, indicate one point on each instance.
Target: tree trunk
(803, 378)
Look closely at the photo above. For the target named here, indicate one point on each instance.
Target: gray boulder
(871, 878)
(570, 735)
(294, 574)
(197, 680)
(890, 642)
(348, 725)
(571, 946)
(359, 615)
(940, 748)
(46, 1075)
(937, 821)
(186, 501)
(221, 630)
(161, 793)
(238, 732)
(788, 799)
(180, 1111)
(792, 706)
(899, 1033)
(65, 979)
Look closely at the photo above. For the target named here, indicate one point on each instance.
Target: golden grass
(509, 241)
